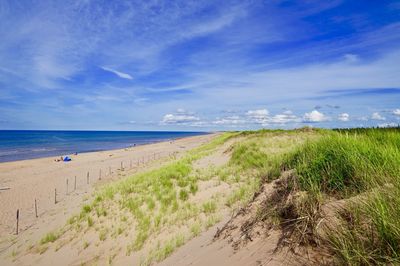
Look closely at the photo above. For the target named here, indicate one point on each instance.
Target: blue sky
(199, 65)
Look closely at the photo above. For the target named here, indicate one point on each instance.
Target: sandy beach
(123, 214)
(27, 180)
(192, 133)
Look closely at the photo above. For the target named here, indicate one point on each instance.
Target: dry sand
(38, 178)
(232, 243)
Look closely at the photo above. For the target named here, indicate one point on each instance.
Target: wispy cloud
(259, 116)
(181, 117)
(230, 121)
(284, 118)
(118, 73)
(201, 56)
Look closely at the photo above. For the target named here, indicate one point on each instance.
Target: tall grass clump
(361, 166)
(343, 165)
(248, 155)
(370, 234)
(49, 237)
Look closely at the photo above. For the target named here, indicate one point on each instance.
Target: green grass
(209, 207)
(163, 251)
(86, 245)
(86, 209)
(212, 220)
(90, 221)
(147, 203)
(247, 155)
(49, 237)
(362, 165)
(103, 234)
(193, 188)
(139, 241)
(183, 195)
(195, 229)
(344, 165)
(237, 195)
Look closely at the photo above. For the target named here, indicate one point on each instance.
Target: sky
(199, 65)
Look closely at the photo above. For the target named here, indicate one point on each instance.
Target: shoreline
(37, 179)
(126, 146)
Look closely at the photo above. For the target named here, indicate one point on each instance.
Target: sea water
(29, 144)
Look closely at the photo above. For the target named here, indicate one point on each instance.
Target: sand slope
(225, 241)
(38, 178)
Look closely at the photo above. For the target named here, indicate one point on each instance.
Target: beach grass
(49, 237)
(159, 204)
(361, 169)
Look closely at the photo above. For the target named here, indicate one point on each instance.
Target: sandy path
(232, 248)
(203, 250)
(38, 178)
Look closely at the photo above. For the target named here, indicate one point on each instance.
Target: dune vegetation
(358, 171)
(150, 214)
(354, 175)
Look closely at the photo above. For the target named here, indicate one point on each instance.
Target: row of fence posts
(87, 182)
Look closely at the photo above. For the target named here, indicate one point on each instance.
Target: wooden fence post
(75, 184)
(55, 196)
(36, 209)
(87, 178)
(17, 220)
(100, 175)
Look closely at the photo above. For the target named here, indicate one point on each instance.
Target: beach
(39, 179)
(192, 133)
(215, 199)
(168, 205)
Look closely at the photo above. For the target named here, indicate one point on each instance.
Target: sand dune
(66, 234)
(38, 178)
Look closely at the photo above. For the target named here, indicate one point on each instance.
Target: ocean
(29, 144)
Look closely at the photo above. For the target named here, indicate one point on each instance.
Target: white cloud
(230, 120)
(286, 117)
(218, 23)
(377, 116)
(344, 117)
(118, 73)
(315, 116)
(182, 111)
(258, 113)
(259, 116)
(179, 119)
(52, 35)
(396, 112)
